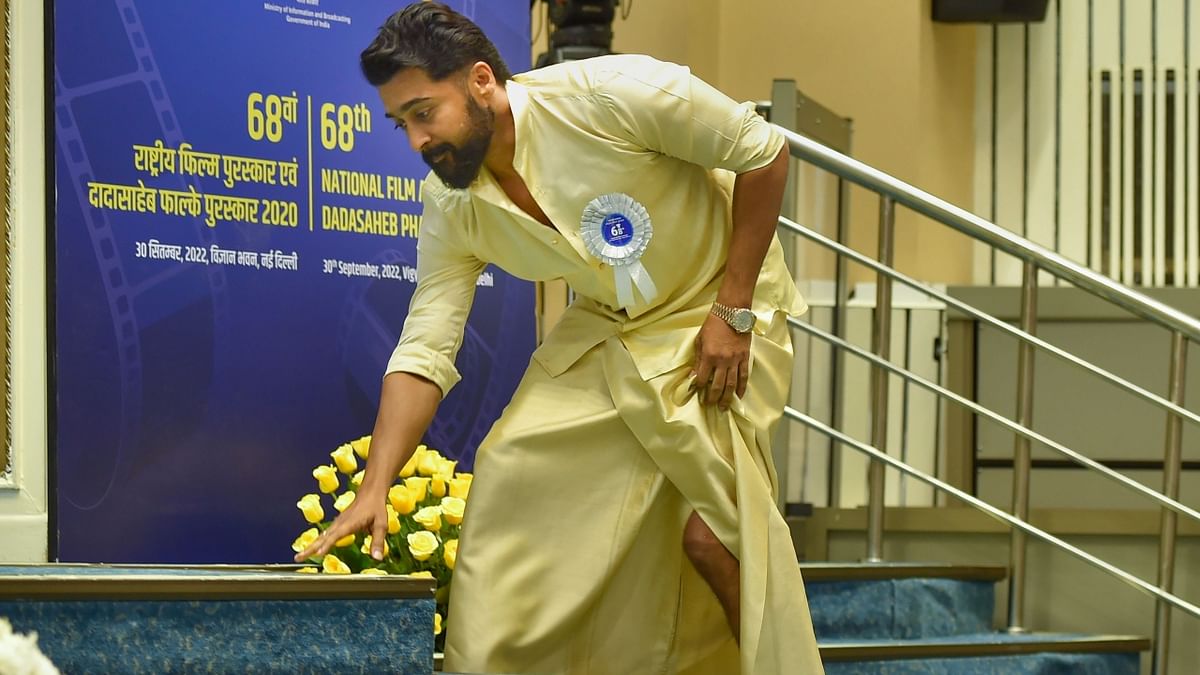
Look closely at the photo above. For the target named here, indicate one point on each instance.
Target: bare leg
(717, 566)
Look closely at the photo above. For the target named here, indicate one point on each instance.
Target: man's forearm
(757, 198)
(406, 407)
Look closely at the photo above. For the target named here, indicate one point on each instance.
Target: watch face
(743, 320)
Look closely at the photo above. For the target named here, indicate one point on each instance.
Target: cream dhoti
(571, 559)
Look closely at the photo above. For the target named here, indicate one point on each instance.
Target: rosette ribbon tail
(627, 277)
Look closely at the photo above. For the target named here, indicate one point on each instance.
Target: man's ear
(481, 80)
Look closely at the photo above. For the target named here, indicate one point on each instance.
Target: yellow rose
(307, 570)
(305, 540)
(459, 487)
(430, 518)
(332, 565)
(393, 519)
(429, 463)
(401, 499)
(347, 540)
(344, 458)
(362, 447)
(423, 574)
(422, 545)
(366, 547)
(327, 479)
(450, 552)
(446, 470)
(453, 508)
(437, 487)
(373, 572)
(437, 623)
(410, 467)
(310, 505)
(344, 501)
(356, 479)
(418, 486)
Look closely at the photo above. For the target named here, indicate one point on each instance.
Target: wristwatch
(740, 319)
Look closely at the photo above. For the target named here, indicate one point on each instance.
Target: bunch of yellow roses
(424, 510)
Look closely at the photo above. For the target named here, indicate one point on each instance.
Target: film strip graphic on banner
(121, 290)
(366, 339)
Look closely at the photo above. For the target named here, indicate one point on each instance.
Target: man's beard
(459, 166)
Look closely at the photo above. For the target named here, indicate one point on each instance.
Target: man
(621, 520)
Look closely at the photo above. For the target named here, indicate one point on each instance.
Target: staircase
(897, 619)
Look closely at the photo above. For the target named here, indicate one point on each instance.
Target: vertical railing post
(841, 289)
(881, 339)
(1172, 462)
(783, 113)
(1021, 451)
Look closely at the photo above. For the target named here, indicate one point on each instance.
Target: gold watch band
(740, 319)
(723, 312)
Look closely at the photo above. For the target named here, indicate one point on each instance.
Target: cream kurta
(571, 558)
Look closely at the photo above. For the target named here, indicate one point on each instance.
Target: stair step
(988, 654)
(900, 602)
(984, 644)
(832, 571)
(982, 654)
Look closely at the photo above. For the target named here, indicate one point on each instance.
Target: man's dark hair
(432, 37)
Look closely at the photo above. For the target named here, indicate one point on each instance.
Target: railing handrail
(980, 505)
(1116, 380)
(1080, 459)
(983, 230)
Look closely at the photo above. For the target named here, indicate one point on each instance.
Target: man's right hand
(368, 513)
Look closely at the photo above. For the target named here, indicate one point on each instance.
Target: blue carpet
(900, 609)
(231, 636)
(218, 635)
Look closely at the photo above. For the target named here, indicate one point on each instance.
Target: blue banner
(235, 251)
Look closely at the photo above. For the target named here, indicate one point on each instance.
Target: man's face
(444, 123)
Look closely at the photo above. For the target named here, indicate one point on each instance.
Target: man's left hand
(722, 363)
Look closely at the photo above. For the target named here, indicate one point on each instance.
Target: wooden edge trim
(818, 572)
(1106, 644)
(225, 587)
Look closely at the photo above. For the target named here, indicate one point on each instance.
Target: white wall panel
(983, 146)
(1088, 145)
(1073, 130)
(1009, 163)
(1041, 142)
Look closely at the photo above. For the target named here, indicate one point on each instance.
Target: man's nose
(417, 139)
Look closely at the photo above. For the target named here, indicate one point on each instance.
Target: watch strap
(726, 313)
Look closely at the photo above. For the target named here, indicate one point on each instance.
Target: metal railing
(1014, 522)
(1183, 328)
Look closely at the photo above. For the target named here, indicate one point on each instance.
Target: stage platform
(220, 618)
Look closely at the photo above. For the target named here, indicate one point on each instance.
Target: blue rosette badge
(616, 230)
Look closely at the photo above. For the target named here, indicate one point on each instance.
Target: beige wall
(23, 492)
(907, 83)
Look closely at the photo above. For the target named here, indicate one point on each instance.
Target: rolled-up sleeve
(446, 279)
(663, 107)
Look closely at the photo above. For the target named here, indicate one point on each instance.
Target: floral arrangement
(425, 511)
(19, 654)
